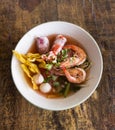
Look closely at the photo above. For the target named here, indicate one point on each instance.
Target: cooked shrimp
(78, 58)
(75, 75)
(56, 48)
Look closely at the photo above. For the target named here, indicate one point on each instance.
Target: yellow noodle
(28, 65)
(20, 57)
(26, 70)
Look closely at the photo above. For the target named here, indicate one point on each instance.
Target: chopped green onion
(62, 55)
(48, 66)
(64, 52)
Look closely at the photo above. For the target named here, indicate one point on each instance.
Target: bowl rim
(100, 75)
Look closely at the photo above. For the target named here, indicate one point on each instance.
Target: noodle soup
(61, 70)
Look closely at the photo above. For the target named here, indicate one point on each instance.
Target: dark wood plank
(98, 18)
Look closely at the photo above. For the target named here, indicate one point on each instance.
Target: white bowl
(89, 44)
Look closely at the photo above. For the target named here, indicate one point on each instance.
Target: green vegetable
(48, 66)
(57, 64)
(67, 90)
(56, 84)
(48, 79)
(62, 55)
(54, 77)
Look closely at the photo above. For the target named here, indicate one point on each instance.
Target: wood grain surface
(98, 18)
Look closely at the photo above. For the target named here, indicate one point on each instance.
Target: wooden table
(98, 18)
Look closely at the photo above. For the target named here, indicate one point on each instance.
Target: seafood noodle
(56, 65)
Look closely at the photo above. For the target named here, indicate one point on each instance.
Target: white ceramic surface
(89, 44)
